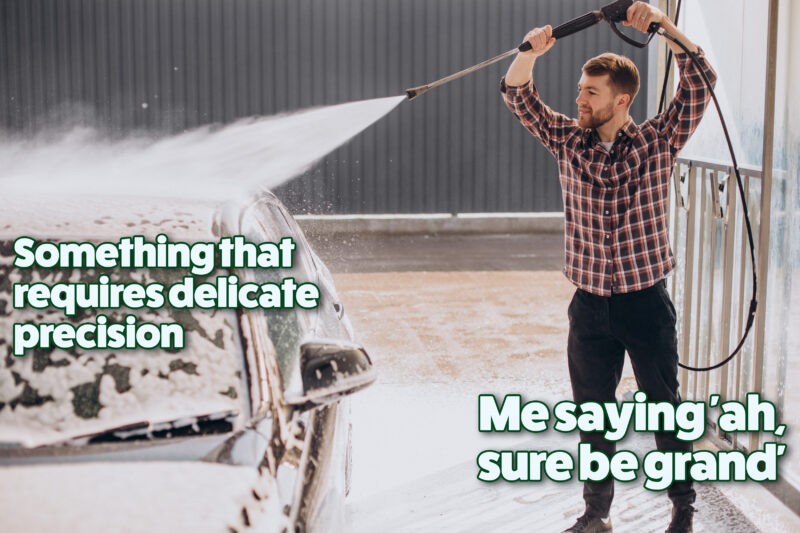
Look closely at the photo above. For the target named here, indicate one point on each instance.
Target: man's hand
(642, 14)
(541, 40)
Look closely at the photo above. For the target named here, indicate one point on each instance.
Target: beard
(595, 119)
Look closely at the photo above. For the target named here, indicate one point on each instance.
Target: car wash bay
(446, 318)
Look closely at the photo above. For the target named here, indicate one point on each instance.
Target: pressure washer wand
(568, 28)
(613, 13)
(416, 91)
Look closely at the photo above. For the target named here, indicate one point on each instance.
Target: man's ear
(624, 99)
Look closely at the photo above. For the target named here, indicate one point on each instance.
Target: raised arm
(521, 70)
(522, 98)
(683, 115)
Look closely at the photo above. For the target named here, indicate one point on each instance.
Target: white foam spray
(203, 163)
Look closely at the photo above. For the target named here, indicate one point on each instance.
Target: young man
(615, 184)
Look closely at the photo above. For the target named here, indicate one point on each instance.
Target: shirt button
(608, 236)
(606, 211)
(605, 168)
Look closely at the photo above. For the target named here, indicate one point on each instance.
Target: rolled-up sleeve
(548, 126)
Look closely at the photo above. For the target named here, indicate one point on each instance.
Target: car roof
(101, 216)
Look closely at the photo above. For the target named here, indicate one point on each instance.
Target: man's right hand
(540, 39)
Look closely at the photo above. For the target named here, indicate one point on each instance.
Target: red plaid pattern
(616, 202)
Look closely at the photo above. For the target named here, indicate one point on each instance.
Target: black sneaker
(590, 524)
(681, 520)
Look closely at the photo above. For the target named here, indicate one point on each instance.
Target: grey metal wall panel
(171, 65)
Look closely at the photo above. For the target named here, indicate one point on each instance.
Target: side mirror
(332, 369)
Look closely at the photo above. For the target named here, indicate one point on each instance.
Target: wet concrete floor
(440, 253)
(446, 318)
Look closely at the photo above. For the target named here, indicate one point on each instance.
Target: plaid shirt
(616, 202)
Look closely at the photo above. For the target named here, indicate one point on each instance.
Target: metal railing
(712, 283)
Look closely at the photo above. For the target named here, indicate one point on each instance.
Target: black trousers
(601, 330)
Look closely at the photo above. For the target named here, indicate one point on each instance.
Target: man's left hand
(642, 14)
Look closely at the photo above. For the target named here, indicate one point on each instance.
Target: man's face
(597, 101)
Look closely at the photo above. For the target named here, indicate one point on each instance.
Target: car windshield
(52, 395)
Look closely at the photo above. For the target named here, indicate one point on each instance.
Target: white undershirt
(607, 145)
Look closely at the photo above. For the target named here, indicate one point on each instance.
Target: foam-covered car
(246, 427)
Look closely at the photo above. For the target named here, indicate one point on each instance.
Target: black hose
(753, 302)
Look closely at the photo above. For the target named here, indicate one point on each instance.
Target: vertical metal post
(673, 234)
(702, 214)
(688, 276)
(759, 329)
(678, 210)
(657, 55)
(727, 286)
(711, 216)
(739, 383)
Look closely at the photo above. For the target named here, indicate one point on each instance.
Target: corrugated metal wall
(169, 65)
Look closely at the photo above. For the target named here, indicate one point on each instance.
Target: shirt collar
(590, 137)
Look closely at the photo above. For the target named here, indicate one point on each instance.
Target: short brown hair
(623, 75)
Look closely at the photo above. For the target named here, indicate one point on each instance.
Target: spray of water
(202, 163)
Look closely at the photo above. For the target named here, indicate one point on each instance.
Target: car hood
(137, 496)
